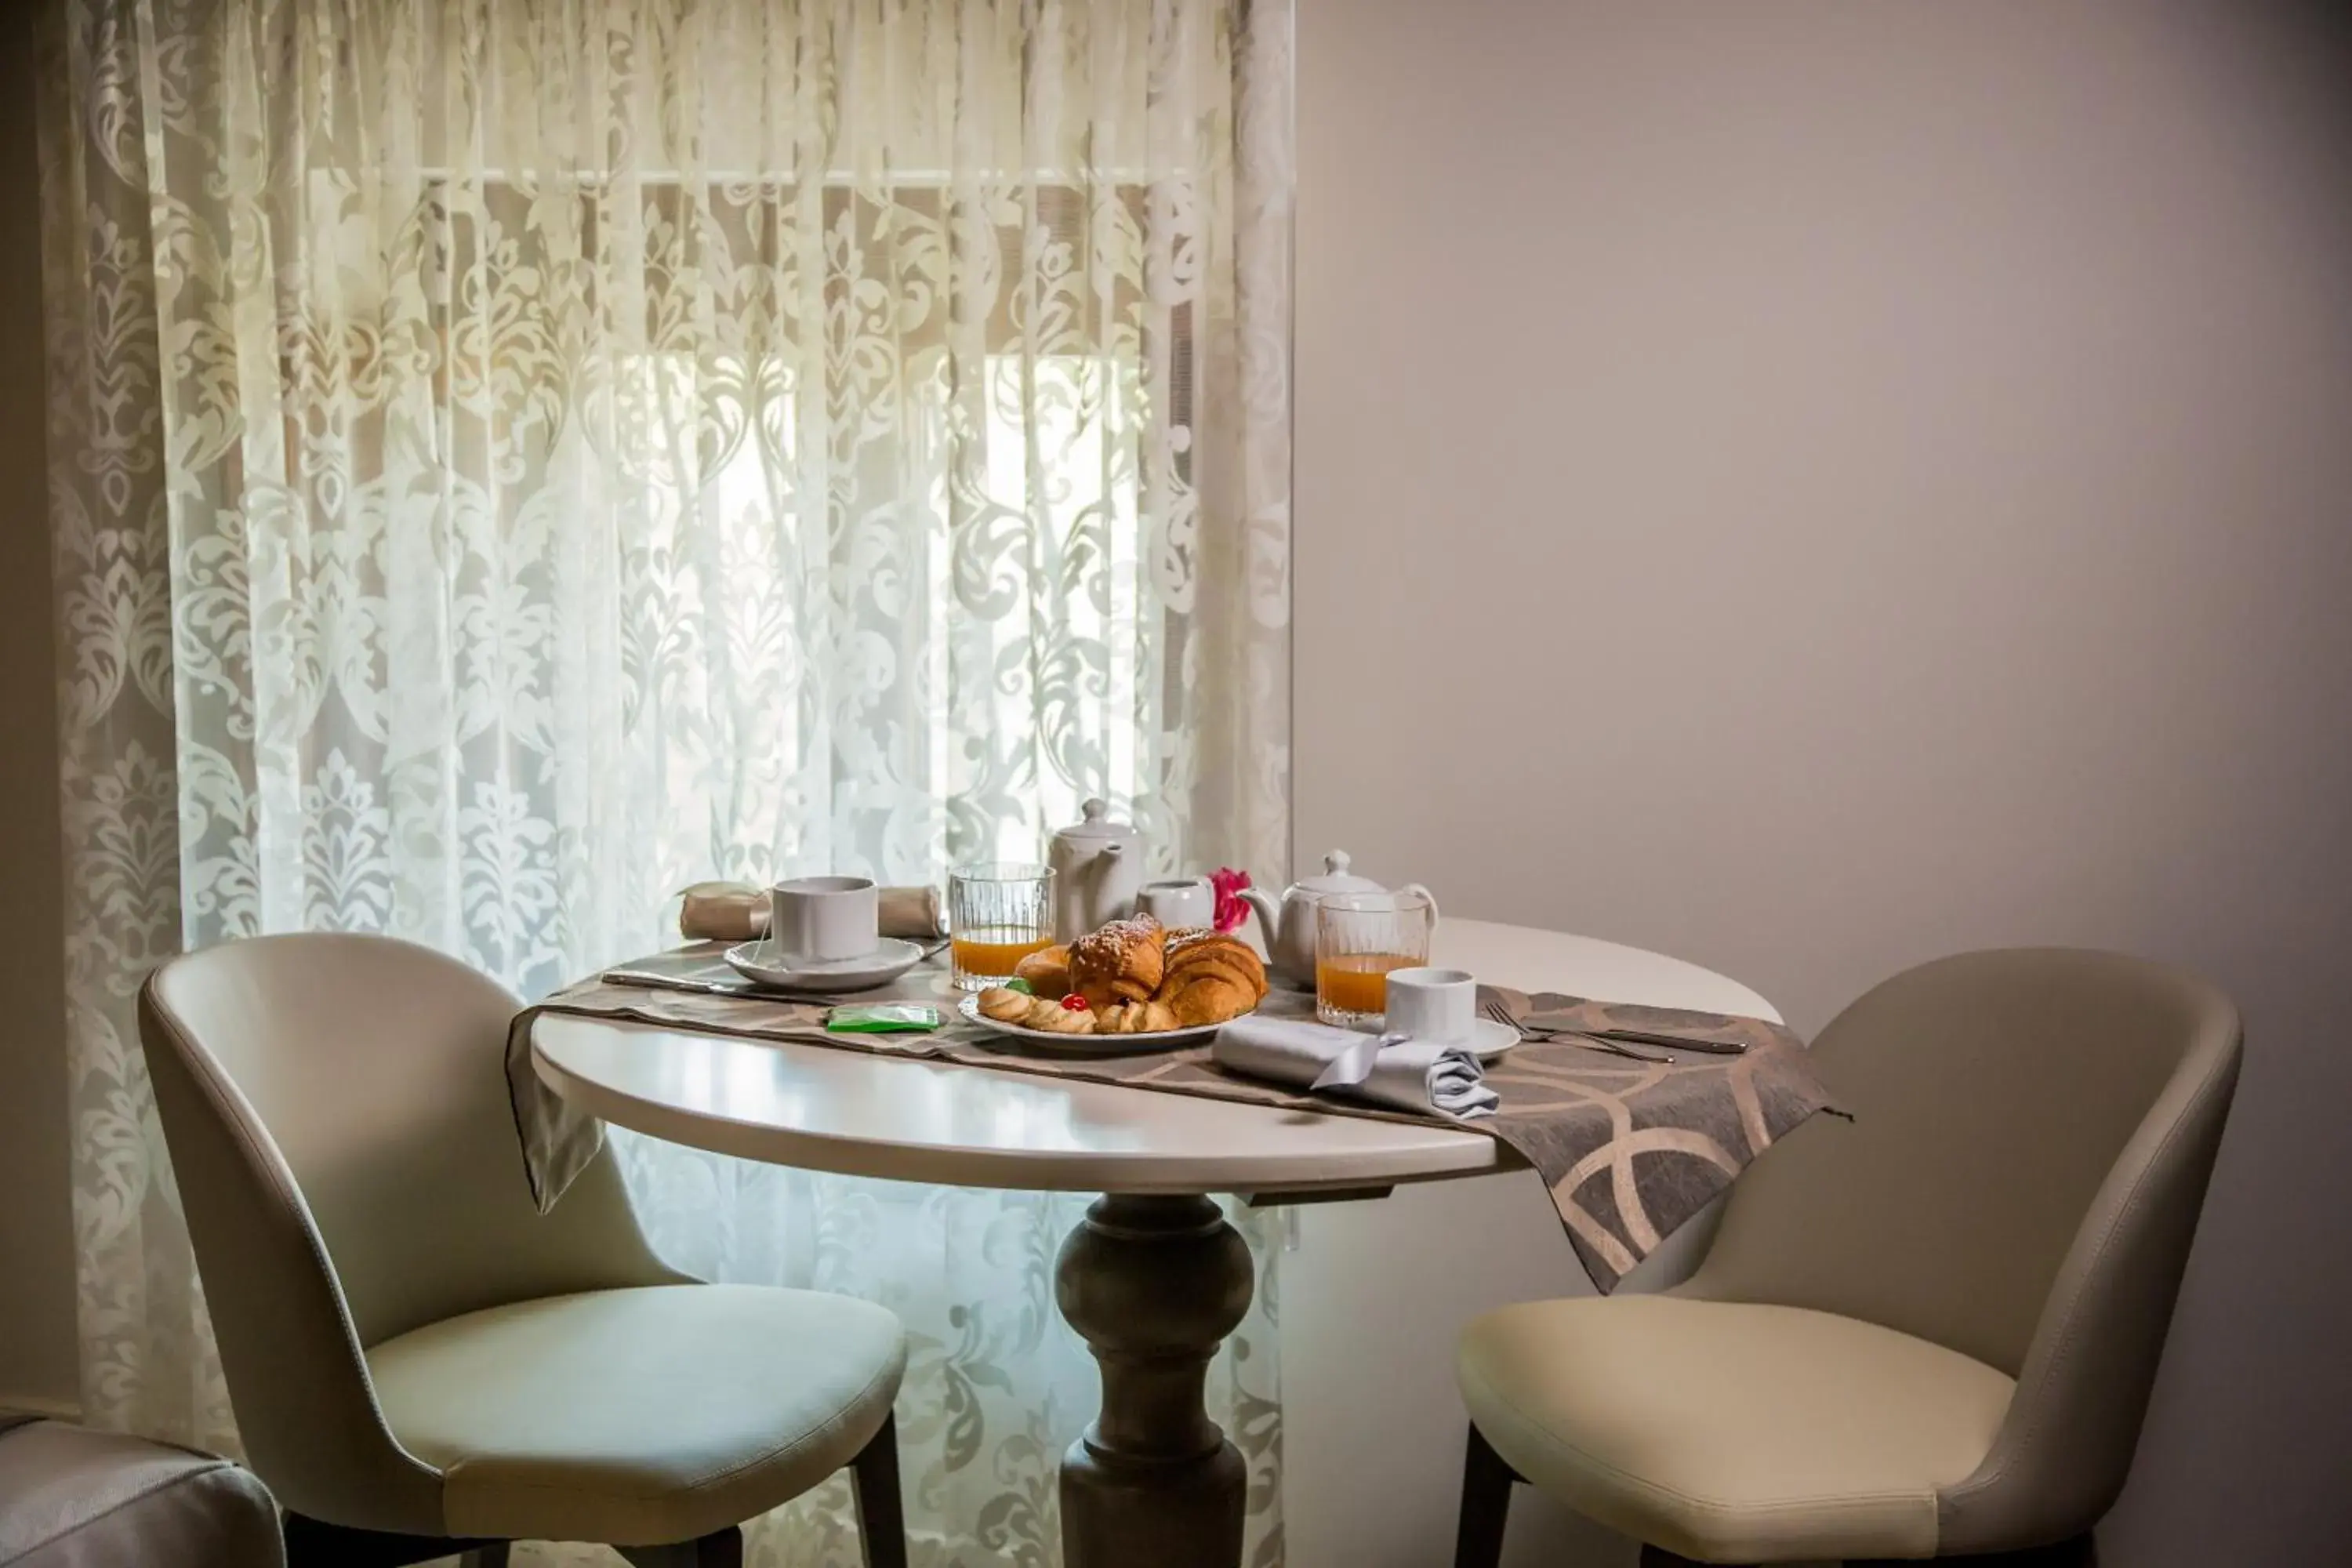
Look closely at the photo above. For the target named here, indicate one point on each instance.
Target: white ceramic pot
(1289, 927)
(1097, 869)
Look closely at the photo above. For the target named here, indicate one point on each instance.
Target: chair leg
(2082, 1552)
(874, 1479)
(314, 1544)
(1486, 1483)
(720, 1549)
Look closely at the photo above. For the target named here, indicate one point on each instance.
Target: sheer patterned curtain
(511, 459)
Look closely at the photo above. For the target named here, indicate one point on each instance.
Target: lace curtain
(509, 460)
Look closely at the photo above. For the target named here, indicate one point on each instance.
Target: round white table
(1153, 1278)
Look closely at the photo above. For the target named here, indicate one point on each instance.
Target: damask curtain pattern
(511, 459)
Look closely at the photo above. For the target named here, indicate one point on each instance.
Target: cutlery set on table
(1641, 1045)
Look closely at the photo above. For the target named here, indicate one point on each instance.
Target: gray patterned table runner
(1629, 1150)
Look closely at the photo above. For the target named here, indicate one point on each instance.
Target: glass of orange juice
(999, 912)
(1358, 938)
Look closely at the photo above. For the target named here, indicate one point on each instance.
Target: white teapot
(1097, 870)
(1289, 928)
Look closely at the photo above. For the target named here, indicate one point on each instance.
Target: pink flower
(1229, 883)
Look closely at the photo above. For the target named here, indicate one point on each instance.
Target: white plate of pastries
(1131, 983)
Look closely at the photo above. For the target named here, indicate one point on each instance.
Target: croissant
(1121, 963)
(1210, 977)
(1047, 971)
(1192, 955)
(1209, 1001)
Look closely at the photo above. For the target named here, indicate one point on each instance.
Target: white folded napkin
(1388, 1070)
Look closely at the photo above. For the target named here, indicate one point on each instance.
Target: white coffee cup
(821, 920)
(1183, 902)
(1435, 1004)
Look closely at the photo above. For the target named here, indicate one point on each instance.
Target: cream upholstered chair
(419, 1361)
(1927, 1331)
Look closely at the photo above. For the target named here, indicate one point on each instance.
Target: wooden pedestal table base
(1153, 1285)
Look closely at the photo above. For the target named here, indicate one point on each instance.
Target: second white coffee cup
(819, 920)
(1438, 1004)
(1183, 902)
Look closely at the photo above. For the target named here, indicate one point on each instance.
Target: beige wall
(1826, 485)
(36, 1342)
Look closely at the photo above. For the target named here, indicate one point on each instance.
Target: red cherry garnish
(1074, 1002)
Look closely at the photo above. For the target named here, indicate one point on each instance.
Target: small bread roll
(1047, 971)
(1005, 1004)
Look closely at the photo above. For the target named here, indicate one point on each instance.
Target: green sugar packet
(882, 1017)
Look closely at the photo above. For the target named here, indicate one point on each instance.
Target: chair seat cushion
(1730, 1433)
(636, 1417)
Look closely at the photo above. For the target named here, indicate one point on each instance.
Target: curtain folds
(509, 460)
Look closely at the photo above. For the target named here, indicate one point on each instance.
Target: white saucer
(888, 961)
(1489, 1039)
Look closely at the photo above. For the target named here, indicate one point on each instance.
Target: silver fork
(1495, 1011)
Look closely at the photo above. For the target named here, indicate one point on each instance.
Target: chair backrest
(2033, 1134)
(336, 1111)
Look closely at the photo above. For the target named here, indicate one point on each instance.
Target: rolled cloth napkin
(734, 911)
(1386, 1070)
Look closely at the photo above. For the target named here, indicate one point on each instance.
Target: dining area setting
(1273, 1106)
(607, 1396)
(1172, 784)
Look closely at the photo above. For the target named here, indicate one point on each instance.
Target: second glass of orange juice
(999, 912)
(1358, 938)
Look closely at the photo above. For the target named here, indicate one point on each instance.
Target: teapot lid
(1096, 827)
(1337, 879)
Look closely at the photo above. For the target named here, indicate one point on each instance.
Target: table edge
(1468, 1152)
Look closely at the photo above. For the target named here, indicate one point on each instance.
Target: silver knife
(1679, 1042)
